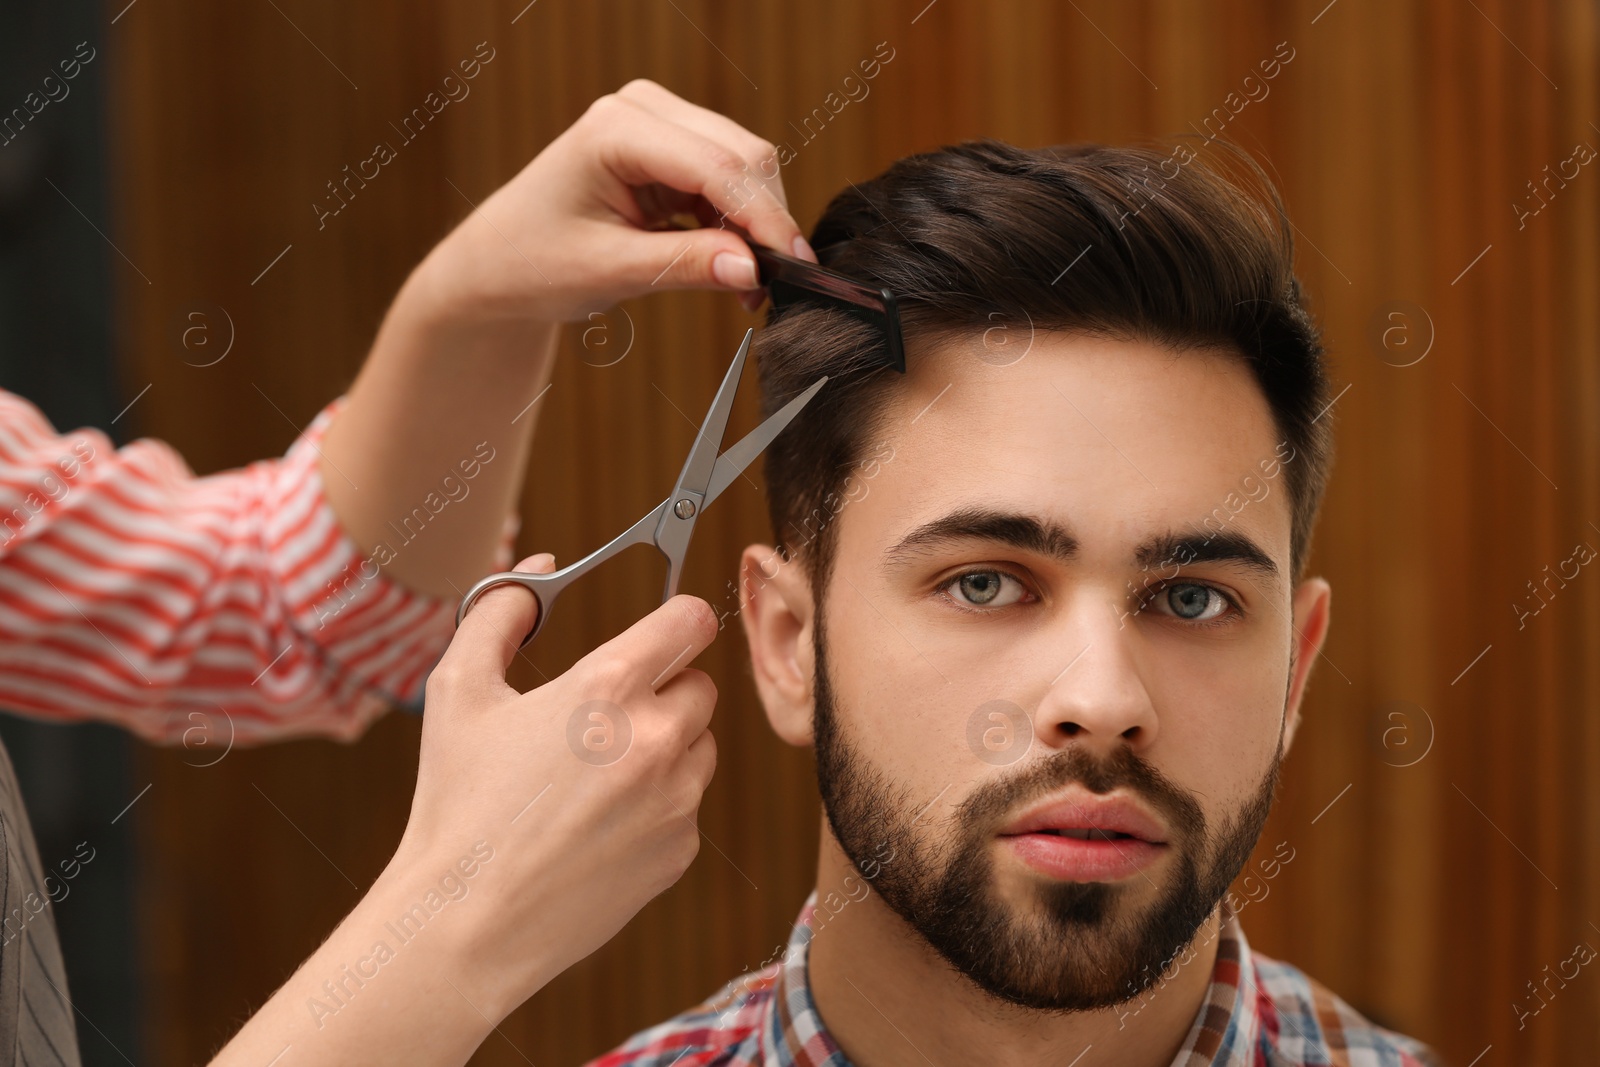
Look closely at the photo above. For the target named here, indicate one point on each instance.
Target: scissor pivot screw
(684, 508)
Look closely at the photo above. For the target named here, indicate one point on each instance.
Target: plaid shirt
(1256, 1012)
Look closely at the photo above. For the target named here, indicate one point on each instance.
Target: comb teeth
(790, 280)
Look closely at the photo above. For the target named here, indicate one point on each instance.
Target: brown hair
(1180, 252)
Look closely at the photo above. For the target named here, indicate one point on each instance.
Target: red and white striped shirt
(218, 609)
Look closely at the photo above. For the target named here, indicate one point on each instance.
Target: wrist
(462, 282)
(441, 313)
(449, 901)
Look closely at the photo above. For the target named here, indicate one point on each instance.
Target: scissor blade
(699, 467)
(732, 463)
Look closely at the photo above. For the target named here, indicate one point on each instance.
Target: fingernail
(734, 271)
(802, 249)
(537, 562)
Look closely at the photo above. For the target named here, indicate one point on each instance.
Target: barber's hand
(586, 789)
(577, 230)
(526, 850)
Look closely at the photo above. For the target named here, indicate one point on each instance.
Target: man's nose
(1099, 697)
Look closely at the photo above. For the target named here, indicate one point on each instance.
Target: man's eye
(1192, 602)
(983, 589)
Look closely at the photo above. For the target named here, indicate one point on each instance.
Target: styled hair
(1164, 247)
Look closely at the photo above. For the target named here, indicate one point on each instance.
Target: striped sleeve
(196, 610)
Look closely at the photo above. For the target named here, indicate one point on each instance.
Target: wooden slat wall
(1429, 895)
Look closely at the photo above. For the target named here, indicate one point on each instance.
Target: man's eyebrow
(1203, 546)
(1026, 532)
(1043, 537)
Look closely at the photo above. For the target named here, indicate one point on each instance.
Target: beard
(1077, 946)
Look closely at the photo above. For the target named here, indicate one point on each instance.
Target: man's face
(1054, 662)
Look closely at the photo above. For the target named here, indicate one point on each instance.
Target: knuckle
(605, 108)
(609, 675)
(723, 159)
(674, 860)
(638, 86)
(657, 743)
(445, 680)
(700, 686)
(681, 733)
(703, 779)
(685, 799)
(686, 718)
(688, 847)
(706, 698)
(763, 152)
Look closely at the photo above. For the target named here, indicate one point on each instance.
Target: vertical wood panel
(1400, 135)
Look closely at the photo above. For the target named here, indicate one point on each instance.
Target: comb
(790, 280)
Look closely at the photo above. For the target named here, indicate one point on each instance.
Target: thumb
(704, 258)
(488, 638)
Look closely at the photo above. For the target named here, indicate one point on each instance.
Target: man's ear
(1311, 607)
(775, 606)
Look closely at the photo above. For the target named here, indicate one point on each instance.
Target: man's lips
(1080, 813)
(1079, 836)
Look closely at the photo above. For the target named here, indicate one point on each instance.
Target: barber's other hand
(586, 788)
(576, 231)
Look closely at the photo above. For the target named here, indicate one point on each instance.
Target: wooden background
(1442, 858)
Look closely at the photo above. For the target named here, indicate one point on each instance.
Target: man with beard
(1040, 607)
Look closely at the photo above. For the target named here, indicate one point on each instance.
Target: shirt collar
(1228, 1024)
(1224, 1032)
(793, 1032)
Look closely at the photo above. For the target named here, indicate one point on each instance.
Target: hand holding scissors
(670, 524)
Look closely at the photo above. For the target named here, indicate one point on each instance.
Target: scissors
(669, 525)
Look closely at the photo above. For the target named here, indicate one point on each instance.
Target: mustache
(992, 802)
